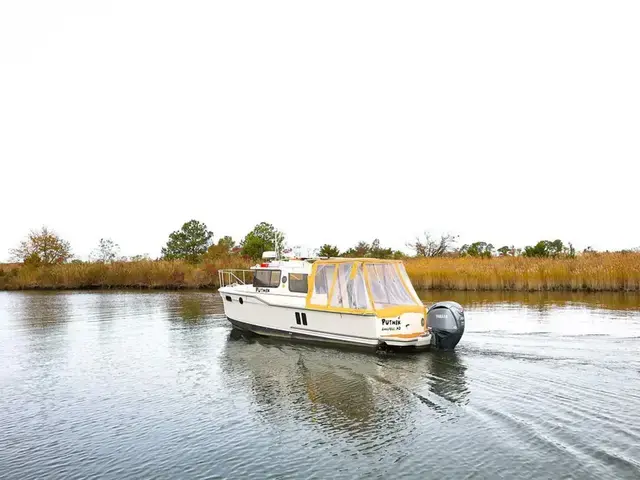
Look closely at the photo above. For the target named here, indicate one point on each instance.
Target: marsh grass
(593, 272)
(147, 274)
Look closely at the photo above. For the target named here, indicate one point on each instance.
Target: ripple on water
(151, 385)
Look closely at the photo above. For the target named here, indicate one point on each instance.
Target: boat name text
(391, 325)
(390, 322)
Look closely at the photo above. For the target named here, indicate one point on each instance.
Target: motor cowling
(446, 320)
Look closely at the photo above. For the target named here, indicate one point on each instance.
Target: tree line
(444, 246)
(194, 243)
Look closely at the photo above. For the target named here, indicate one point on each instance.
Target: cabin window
(298, 282)
(266, 278)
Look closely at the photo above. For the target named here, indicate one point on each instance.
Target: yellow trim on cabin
(311, 283)
(333, 286)
(398, 310)
(365, 272)
(354, 271)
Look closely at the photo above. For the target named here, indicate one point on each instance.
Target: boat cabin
(364, 286)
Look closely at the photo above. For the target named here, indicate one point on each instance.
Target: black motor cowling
(446, 320)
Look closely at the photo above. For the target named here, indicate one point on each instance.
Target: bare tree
(42, 247)
(106, 252)
(432, 247)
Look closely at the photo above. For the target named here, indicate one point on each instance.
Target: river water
(154, 385)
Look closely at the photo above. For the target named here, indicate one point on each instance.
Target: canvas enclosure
(362, 286)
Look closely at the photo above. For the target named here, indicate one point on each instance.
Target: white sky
(337, 121)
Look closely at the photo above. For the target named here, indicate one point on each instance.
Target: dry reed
(593, 272)
(149, 274)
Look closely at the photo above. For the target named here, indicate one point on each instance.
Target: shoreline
(602, 272)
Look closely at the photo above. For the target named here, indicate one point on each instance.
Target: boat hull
(297, 336)
(316, 339)
(260, 315)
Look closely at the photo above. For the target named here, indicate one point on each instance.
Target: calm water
(153, 385)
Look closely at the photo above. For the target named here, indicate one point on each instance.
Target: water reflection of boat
(337, 388)
(305, 382)
(348, 393)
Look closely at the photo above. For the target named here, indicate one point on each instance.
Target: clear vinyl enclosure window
(322, 282)
(386, 285)
(349, 290)
(362, 286)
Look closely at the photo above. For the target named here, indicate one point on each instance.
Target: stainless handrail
(231, 276)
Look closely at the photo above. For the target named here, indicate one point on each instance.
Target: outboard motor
(446, 320)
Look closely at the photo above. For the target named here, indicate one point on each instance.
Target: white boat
(356, 301)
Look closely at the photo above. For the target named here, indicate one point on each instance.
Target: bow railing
(235, 276)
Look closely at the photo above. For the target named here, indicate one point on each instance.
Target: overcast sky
(337, 121)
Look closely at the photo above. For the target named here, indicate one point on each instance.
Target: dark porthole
(228, 298)
(241, 301)
(284, 279)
